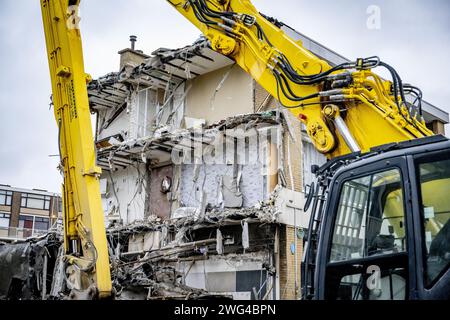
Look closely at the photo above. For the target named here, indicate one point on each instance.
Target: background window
(41, 223)
(34, 201)
(5, 198)
(26, 222)
(32, 225)
(434, 187)
(370, 218)
(4, 219)
(59, 200)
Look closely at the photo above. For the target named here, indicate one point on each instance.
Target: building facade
(26, 213)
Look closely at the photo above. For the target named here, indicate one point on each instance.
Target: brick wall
(287, 263)
(262, 99)
(15, 209)
(287, 237)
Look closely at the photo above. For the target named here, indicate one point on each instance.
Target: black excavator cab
(379, 227)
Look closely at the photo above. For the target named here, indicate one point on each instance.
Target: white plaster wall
(213, 99)
(130, 199)
(143, 108)
(121, 123)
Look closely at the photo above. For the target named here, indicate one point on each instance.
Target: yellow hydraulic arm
(346, 108)
(84, 227)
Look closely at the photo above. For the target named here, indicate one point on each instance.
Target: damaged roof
(165, 67)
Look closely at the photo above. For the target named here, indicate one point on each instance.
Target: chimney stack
(131, 56)
(133, 40)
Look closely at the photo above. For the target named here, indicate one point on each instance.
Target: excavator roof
(353, 160)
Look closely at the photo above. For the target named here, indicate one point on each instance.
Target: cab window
(367, 257)
(370, 217)
(435, 211)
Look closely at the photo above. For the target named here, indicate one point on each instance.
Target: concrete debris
(26, 268)
(153, 282)
(146, 267)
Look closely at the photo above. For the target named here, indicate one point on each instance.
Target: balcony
(14, 234)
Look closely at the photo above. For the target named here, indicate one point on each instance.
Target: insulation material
(252, 184)
(219, 242)
(245, 235)
(232, 196)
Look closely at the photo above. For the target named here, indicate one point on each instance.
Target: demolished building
(203, 180)
(207, 172)
(204, 175)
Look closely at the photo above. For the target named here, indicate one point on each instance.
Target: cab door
(430, 174)
(365, 249)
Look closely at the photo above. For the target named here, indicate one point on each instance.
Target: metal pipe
(44, 277)
(345, 133)
(74, 246)
(133, 40)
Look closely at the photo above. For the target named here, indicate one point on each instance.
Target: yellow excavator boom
(84, 227)
(345, 108)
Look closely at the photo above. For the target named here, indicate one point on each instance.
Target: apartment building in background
(26, 213)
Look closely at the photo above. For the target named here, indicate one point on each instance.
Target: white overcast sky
(414, 38)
